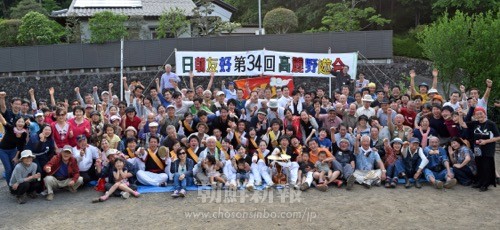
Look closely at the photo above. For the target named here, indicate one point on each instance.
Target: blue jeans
(441, 175)
(400, 167)
(182, 184)
(6, 155)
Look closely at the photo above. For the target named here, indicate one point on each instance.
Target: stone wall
(65, 83)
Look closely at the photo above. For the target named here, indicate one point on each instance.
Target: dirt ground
(361, 208)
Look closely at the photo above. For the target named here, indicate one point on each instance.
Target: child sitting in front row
(121, 176)
(305, 166)
(242, 172)
(325, 173)
(211, 170)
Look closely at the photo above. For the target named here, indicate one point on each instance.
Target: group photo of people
(174, 134)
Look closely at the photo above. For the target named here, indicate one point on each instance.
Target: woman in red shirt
(62, 131)
(79, 125)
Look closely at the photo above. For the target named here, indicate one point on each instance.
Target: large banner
(263, 62)
(264, 82)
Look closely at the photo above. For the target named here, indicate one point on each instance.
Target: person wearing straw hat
(366, 109)
(62, 172)
(25, 180)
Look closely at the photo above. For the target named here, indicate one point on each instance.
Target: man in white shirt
(168, 79)
(366, 109)
(454, 100)
(285, 98)
(85, 154)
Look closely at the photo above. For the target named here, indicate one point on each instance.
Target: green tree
(203, 23)
(464, 48)
(467, 6)
(345, 16)
(173, 22)
(26, 6)
(73, 30)
(106, 27)
(134, 27)
(229, 27)
(8, 32)
(50, 5)
(280, 21)
(38, 29)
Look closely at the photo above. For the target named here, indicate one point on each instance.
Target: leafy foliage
(229, 27)
(38, 29)
(280, 21)
(464, 48)
(106, 27)
(172, 22)
(203, 23)
(134, 28)
(26, 6)
(73, 30)
(50, 5)
(8, 32)
(345, 16)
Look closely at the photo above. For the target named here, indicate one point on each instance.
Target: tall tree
(38, 29)
(26, 6)
(464, 48)
(106, 27)
(8, 32)
(202, 20)
(280, 21)
(173, 22)
(346, 16)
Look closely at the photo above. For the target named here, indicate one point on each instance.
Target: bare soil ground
(361, 208)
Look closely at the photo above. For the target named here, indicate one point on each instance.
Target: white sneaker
(125, 195)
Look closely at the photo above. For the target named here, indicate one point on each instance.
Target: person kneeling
(24, 178)
(62, 172)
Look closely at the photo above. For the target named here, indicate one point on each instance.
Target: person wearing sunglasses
(182, 169)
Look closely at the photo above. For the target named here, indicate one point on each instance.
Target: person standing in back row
(168, 80)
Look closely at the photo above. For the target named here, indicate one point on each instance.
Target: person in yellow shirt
(423, 87)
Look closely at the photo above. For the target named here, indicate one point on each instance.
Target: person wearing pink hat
(484, 135)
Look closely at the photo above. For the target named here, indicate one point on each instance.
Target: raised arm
(435, 73)
(52, 98)
(413, 92)
(125, 84)
(95, 95)
(487, 92)
(79, 96)
(191, 84)
(110, 95)
(34, 106)
(2, 120)
(212, 75)
(3, 106)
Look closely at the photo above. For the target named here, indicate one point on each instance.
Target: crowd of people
(165, 135)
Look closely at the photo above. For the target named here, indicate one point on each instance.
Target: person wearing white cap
(220, 101)
(25, 180)
(153, 132)
(39, 121)
(62, 172)
(366, 109)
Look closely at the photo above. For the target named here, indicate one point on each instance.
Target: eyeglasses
(62, 114)
(180, 153)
